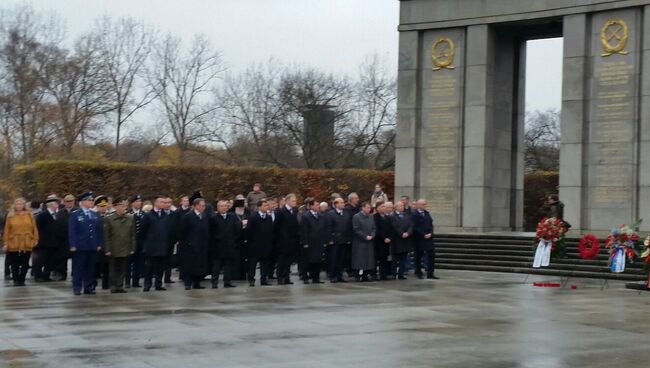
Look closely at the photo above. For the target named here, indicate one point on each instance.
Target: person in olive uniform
(119, 243)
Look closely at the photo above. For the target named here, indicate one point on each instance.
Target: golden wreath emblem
(613, 37)
(442, 53)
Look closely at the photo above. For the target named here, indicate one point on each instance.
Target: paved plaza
(465, 319)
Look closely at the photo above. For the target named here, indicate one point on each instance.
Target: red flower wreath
(589, 247)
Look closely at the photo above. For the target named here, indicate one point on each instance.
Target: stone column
(644, 133)
(613, 122)
(573, 119)
(407, 115)
(477, 160)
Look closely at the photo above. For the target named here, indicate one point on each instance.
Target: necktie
(200, 217)
(54, 215)
(224, 216)
(263, 217)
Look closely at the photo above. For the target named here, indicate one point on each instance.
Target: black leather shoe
(251, 284)
(342, 280)
(89, 292)
(136, 285)
(215, 286)
(334, 281)
(76, 292)
(146, 289)
(161, 289)
(401, 278)
(421, 277)
(198, 287)
(433, 277)
(170, 282)
(229, 286)
(265, 283)
(188, 288)
(306, 282)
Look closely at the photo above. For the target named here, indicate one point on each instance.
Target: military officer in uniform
(85, 236)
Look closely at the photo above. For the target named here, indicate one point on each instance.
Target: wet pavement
(465, 319)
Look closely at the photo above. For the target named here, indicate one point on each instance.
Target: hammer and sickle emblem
(613, 37)
(442, 53)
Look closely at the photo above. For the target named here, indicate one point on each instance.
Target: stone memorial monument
(461, 109)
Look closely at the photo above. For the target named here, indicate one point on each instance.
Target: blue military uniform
(85, 234)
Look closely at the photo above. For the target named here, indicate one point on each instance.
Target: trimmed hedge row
(62, 177)
(537, 187)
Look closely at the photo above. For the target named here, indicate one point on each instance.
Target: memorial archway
(460, 122)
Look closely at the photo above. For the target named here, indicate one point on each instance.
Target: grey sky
(333, 35)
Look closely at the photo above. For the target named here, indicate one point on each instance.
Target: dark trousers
(347, 260)
(169, 264)
(134, 269)
(154, 268)
(45, 262)
(430, 259)
(83, 270)
(285, 260)
(102, 273)
(271, 265)
(63, 254)
(337, 257)
(383, 267)
(252, 268)
(219, 264)
(313, 272)
(399, 264)
(7, 266)
(117, 268)
(18, 263)
(192, 280)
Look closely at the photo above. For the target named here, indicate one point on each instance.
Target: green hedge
(61, 177)
(537, 186)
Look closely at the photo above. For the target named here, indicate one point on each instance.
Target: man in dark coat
(340, 233)
(242, 213)
(363, 243)
(287, 232)
(195, 239)
(383, 238)
(135, 263)
(260, 242)
(52, 237)
(85, 238)
(171, 261)
(102, 271)
(157, 228)
(227, 230)
(401, 241)
(423, 239)
(313, 239)
(352, 208)
(405, 200)
(69, 206)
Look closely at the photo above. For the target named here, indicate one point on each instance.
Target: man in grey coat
(363, 245)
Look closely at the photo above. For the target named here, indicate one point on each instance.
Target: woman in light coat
(20, 236)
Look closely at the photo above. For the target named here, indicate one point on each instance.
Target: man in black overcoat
(287, 231)
(157, 230)
(135, 262)
(260, 242)
(227, 230)
(401, 243)
(195, 240)
(340, 232)
(52, 227)
(383, 238)
(423, 239)
(313, 239)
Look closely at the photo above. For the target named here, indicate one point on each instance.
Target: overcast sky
(334, 35)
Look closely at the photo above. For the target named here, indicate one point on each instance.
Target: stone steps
(514, 254)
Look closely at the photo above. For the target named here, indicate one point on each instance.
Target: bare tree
(542, 140)
(124, 46)
(304, 90)
(372, 133)
(80, 92)
(252, 115)
(182, 81)
(28, 41)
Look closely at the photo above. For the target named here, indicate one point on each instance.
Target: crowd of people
(117, 242)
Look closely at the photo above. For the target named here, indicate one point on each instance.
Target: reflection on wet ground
(465, 319)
